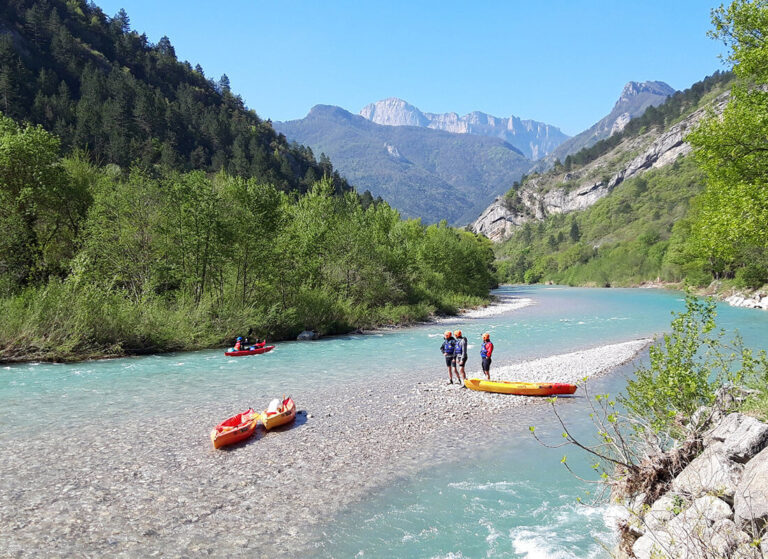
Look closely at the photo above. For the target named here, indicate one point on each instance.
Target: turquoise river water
(505, 497)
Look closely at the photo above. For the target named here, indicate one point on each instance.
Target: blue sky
(559, 62)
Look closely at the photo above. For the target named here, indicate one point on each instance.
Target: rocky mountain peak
(394, 112)
(633, 90)
(635, 98)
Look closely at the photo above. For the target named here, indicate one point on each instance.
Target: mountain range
(422, 172)
(534, 139)
(443, 166)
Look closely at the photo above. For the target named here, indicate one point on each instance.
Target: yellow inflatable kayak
(278, 414)
(520, 388)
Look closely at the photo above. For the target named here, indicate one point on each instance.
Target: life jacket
(458, 349)
(486, 349)
(449, 346)
(237, 346)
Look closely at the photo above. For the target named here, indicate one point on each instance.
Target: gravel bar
(161, 490)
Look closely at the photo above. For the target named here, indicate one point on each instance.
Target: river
(500, 494)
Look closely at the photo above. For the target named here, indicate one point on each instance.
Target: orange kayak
(235, 429)
(520, 388)
(278, 414)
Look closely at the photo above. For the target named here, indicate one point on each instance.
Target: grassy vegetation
(63, 321)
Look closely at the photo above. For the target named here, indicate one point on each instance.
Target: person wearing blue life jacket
(485, 353)
(460, 354)
(448, 348)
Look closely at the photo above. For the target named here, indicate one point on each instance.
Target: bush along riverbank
(677, 450)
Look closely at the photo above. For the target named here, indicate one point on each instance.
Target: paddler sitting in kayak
(257, 345)
(239, 345)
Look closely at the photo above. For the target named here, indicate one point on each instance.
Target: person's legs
(449, 362)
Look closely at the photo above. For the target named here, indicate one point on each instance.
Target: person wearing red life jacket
(239, 344)
(485, 353)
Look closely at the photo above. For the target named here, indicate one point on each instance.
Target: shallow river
(501, 495)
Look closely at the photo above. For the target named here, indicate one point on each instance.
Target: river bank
(736, 297)
(137, 490)
(26, 346)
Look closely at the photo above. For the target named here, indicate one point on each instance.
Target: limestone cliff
(534, 139)
(552, 193)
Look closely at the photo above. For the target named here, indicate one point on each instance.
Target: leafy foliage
(105, 261)
(729, 228)
(687, 368)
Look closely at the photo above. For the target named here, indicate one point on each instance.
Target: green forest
(101, 260)
(700, 220)
(105, 89)
(144, 208)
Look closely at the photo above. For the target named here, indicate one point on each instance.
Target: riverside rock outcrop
(757, 300)
(544, 195)
(717, 506)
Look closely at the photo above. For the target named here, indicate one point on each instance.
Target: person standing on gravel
(460, 351)
(485, 352)
(448, 348)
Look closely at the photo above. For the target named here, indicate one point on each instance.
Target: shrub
(751, 276)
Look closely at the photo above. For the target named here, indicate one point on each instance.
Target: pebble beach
(136, 490)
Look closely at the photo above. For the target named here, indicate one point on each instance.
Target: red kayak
(235, 429)
(254, 351)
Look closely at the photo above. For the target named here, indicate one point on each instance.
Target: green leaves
(730, 220)
(686, 368)
(742, 26)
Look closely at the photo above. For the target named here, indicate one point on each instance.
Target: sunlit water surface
(506, 497)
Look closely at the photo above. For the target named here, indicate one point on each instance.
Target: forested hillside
(422, 172)
(624, 239)
(103, 88)
(143, 208)
(648, 227)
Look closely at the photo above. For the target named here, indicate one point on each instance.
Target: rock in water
(308, 335)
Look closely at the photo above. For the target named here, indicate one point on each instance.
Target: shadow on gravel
(301, 419)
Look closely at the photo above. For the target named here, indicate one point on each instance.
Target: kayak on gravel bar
(520, 388)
